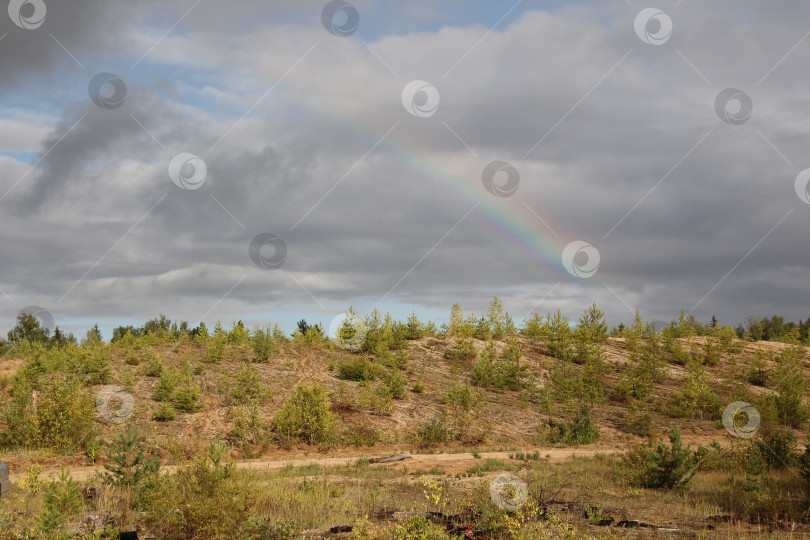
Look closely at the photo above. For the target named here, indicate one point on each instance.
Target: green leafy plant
(92, 449)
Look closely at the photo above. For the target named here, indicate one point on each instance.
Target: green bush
(305, 416)
(206, 499)
(180, 389)
(638, 422)
(582, 429)
(464, 398)
(790, 391)
(804, 463)
(662, 466)
(505, 373)
(357, 369)
(463, 421)
(132, 359)
(375, 399)
(128, 467)
(61, 419)
(186, 396)
(248, 427)
(433, 431)
(215, 349)
(153, 368)
(417, 527)
(92, 361)
(777, 448)
(263, 344)
(759, 372)
(395, 383)
(164, 412)
(361, 435)
(560, 337)
(461, 352)
(399, 360)
(245, 386)
(675, 350)
(61, 500)
(695, 400)
(164, 390)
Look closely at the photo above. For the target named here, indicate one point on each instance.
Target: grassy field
(549, 430)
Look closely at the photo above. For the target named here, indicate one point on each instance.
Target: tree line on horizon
(28, 328)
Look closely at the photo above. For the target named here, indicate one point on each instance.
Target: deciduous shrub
(377, 399)
(62, 418)
(305, 416)
(582, 429)
(433, 431)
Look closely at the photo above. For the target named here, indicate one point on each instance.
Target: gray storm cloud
(304, 136)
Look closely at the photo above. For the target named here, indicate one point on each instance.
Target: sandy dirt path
(450, 463)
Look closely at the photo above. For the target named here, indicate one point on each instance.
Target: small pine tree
(127, 465)
(660, 466)
(61, 499)
(413, 328)
(560, 337)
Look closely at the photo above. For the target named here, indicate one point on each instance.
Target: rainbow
(507, 222)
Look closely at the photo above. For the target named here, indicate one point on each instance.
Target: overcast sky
(267, 161)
